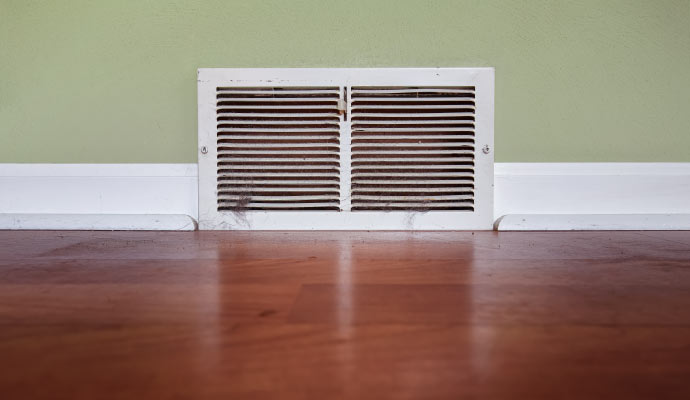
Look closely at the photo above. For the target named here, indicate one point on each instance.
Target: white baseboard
(592, 188)
(520, 188)
(98, 222)
(593, 222)
(98, 189)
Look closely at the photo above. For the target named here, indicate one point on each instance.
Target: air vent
(413, 148)
(278, 148)
(346, 148)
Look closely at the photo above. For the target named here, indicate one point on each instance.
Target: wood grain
(344, 315)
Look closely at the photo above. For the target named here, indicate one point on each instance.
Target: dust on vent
(278, 148)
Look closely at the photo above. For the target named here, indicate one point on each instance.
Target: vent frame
(209, 79)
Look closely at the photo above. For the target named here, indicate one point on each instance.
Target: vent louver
(278, 148)
(336, 148)
(413, 148)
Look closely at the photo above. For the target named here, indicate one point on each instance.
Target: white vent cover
(402, 148)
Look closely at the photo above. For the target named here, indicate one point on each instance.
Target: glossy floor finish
(336, 315)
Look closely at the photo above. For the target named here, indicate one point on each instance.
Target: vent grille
(413, 148)
(278, 148)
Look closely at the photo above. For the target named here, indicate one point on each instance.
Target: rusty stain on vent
(413, 148)
(278, 148)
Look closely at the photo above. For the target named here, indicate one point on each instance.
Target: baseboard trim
(97, 222)
(520, 188)
(98, 189)
(592, 188)
(593, 222)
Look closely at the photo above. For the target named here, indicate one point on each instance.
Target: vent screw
(486, 149)
(204, 150)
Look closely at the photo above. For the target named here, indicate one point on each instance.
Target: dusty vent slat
(278, 148)
(412, 148)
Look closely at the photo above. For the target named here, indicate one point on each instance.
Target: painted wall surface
(115, 81)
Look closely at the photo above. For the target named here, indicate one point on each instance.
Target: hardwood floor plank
(492, 304)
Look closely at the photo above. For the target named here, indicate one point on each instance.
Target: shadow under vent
(278, 148)
(413, 148)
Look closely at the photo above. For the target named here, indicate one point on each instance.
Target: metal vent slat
(404, 145)
(399, 98)
(276, 129)
(270, 123)
(398, 194)
(425, 107)
(225, 101)
(380, 138)
(278, 148)
(374, 162)
(360, 129)
(358, 151)
(303, 206)
(274, 183)
(389, 121)
(421, 174)
(278, 175)
(412, 91)
(273, 199)
(278, 164)
(257, 92)
(400, 116)
(273, 108)
(305, 138)
(247, 190)
(424, 182)
(412, 148)
(286, 116)
(224, 153)
(409, 192)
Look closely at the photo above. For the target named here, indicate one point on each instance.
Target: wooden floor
(356, 315)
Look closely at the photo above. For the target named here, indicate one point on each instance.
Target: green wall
(115, 81)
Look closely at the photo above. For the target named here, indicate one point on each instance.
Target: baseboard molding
(593, 222)
(98, 189)
(98, 222)
(520, 188)
(592, 188)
